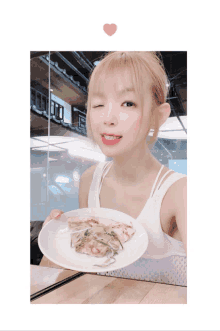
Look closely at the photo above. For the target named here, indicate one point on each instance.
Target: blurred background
(60, 150)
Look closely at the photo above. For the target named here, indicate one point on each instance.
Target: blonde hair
(141, 65)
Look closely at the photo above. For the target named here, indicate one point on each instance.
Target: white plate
(55, 244)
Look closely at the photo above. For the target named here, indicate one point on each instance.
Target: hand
(54, 214)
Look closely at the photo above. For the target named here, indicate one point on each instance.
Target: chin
(117, 150)
(113, 152)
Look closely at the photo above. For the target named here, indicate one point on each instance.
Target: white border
(74, 25)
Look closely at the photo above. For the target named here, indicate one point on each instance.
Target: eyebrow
(119, 93)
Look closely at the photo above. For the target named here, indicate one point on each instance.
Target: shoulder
(180, 185)
(172, 182)
(88, 173)
(179, 200)
(84, 186)
(177, 191)
(174, 194)
(175, 206)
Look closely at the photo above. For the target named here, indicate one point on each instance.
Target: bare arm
(54, 214)
(180, 201)
(85, 183)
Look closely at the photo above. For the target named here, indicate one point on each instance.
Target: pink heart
(110, 29)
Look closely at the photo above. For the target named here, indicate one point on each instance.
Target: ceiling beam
(37, 54)
(72, 67)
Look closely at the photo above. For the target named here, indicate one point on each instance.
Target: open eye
(130, 104)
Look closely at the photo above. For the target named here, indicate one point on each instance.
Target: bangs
(123, 65)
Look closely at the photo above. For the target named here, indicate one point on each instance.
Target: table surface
(89, 288)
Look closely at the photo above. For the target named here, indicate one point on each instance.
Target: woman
(126, 99)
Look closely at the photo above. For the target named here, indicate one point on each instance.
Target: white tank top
(160, 244)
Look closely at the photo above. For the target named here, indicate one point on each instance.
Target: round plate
(54, 242)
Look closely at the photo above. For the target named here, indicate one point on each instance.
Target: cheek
(95, 118)
(130, 120)
(123, 117)
(137, 124)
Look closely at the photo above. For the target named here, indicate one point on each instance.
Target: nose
(109, 122)
(110, 117)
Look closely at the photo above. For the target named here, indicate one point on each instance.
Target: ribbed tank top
(160, 244)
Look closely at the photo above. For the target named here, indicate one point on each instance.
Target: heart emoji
(110, 29)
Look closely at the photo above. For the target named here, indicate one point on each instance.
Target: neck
(134, 168)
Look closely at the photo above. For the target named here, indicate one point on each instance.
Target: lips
(110, 139)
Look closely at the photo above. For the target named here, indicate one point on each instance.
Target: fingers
(54, 214)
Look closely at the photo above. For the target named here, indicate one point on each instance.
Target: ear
(162, 112)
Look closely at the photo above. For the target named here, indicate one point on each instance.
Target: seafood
(99, 238)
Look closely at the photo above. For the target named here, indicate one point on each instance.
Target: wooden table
(50, 284)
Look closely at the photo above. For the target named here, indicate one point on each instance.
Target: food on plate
(99, 238)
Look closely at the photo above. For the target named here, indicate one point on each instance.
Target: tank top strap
(155, 183)
(161, 191)
(105, 170)
(159, 185)
(95, 187)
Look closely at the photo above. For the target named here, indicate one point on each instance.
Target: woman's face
(116, 115)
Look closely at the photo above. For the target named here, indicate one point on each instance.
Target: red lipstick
(111, 142)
